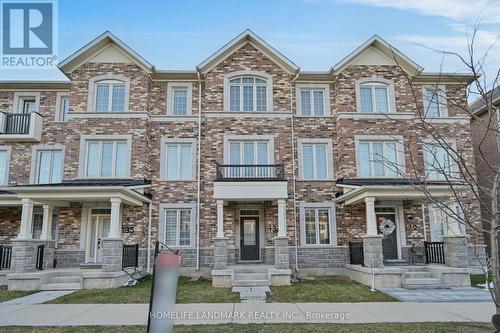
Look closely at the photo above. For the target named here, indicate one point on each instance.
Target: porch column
(281, 255)
(372, 241)
(220, 242)
(281, 218)
(26, 228)
(220, 218)
(112, 246)
(47, 222)
(114, 227)
(456, 251)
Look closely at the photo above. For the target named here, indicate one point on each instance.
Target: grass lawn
(200, 291)
(476, 279)
(328, 289)
(275, 328)
(8, 295)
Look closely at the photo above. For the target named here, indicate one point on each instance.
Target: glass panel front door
(249, 234)
(98, 229)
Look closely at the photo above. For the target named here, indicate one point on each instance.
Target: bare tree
(451, 163)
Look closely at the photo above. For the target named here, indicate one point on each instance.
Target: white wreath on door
(387, 227)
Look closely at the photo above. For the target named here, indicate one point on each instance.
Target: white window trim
(400, 152)
(250, 138)
(93, 88)
(454, 167)
(163, 157)
(171, 86)
(313, 86)
(161, 224)
(58, 113)
(442, 100)
(19, 96)
(262, 75)
(8, 149)
(330, 165)
(390, 94)
(34, 159)
(333, 222)
(83, 152)
(446, 231)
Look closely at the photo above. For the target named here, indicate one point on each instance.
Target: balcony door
(248, 154)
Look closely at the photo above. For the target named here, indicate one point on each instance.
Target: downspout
(293, 174)
(148, 264)
(198, 196)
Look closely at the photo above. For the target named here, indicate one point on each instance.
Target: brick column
(220, 253)
(23, 255)
(281, 255)
(112, 253)
(372, 251)
(456, 252)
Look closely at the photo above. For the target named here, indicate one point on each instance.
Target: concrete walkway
(439, 295)
(38, 298)
(241, 313)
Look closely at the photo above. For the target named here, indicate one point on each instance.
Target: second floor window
(378, 159)
(28, 105)
(315, 161)
(438, 162)
(107, 158)
(248, 93)
(49, 166)
(110, 96)
(4, 166)
(373, 97)
(179, 161)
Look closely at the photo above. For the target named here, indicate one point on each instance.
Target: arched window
(375, 95)
(109, 93)
(248, 93)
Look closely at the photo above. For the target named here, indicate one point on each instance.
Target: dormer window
(248, 93)
(375, 96)
(108, 93)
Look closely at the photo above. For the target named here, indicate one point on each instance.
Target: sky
(315, 34)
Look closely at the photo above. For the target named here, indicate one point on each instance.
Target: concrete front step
(251, 283)
(65, 279)
(250, 276)
(423, 283)
(252, 294)
(61, 286)
(417, 275)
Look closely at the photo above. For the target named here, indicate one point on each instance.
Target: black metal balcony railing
(258, 172)
(17, 123)
(434, 252)
(5, 256)
(356, 253)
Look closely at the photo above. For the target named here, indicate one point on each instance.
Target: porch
(75, 225)
(251, 203)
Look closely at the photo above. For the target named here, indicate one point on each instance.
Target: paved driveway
(439, 295)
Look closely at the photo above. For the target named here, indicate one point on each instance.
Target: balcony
(240, 172)
(250, 182)
(20, 127)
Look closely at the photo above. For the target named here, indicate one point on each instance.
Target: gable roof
(386, 49)
(98, 44)
(247, 36)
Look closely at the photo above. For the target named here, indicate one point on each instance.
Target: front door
(249, 238)
(99, 229)
(386, 225)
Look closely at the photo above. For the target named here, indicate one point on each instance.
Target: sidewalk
(242, 313)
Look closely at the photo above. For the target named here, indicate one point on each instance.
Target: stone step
(423, 283)
(65, 279)
(250, 276)
(417, 275)
(61, 286)
(90, 266)
(244, 270)
(252, 294)
(250, 283)
(395, 262)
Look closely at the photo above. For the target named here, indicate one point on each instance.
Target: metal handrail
(250, 172)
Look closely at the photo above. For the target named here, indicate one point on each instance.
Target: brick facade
(148, 96)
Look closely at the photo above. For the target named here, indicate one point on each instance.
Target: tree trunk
(495, 218)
